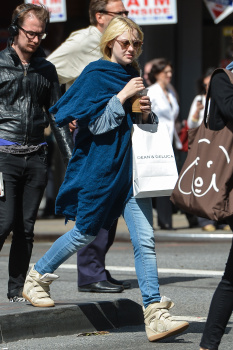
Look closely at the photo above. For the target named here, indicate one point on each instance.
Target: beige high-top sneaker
(36, 288)
(159, 323)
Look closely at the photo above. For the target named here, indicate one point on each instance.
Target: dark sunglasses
(120, 13)
(125, 44)
(31, 35)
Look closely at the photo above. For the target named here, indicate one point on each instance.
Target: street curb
(193, 237)
(160, 236)
(25, 321)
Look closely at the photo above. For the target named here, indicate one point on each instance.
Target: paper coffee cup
(135, 101)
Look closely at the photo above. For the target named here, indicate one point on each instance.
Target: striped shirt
(112, 118)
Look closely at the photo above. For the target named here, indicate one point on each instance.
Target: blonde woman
(98, 183)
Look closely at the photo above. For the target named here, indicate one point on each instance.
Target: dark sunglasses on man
(120, 13)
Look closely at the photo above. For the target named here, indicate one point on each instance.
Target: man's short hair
(95, 7)
(21, 12)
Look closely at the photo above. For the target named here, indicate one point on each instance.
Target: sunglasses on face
(120, 13)
(125, 44)
(31, 35)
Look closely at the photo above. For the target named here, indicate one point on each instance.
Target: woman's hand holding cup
(136, 90)
(145, 104)
(133, 87)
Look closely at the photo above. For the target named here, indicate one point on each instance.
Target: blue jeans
(139, 220)
(138, 217)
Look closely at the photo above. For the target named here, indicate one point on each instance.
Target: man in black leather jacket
(28, 87)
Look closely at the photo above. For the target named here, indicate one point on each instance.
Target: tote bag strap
(230, 76)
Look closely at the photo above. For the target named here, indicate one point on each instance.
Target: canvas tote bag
(154, 167)
(205, 183)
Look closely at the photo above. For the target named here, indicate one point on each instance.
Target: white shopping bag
(154, 166)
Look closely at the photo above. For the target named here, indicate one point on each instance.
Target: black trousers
(91, 259)
(164, 211)
(25, 178)
(221, 306)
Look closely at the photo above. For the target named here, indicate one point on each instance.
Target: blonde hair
(117, 26)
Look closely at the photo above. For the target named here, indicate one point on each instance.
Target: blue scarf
(98, 180)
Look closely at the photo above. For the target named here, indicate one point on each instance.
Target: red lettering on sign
(162, 2)
(149, 11)
(55, 1)
(133, 2)
(38, 2)
(136, 2)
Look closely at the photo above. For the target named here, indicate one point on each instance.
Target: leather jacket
(25, 97)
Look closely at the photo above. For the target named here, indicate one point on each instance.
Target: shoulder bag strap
(230, 76)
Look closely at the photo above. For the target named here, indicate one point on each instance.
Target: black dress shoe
(101, 287)
(125, 284)
(166, 227)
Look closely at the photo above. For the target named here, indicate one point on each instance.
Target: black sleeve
(222, 96)
(62, 135)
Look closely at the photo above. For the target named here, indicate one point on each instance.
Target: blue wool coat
(98, 180)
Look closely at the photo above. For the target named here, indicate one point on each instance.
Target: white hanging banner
(145, 12)
(57, 8)
(219, 9)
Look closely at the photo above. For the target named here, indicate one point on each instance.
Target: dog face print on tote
(206, 180)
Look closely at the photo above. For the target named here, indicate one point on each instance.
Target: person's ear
(99, 18)
(110, 44)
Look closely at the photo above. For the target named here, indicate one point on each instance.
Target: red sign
(152, 11)
(219, 9)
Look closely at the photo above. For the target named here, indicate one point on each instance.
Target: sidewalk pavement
(21, 321)
(51, 229)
